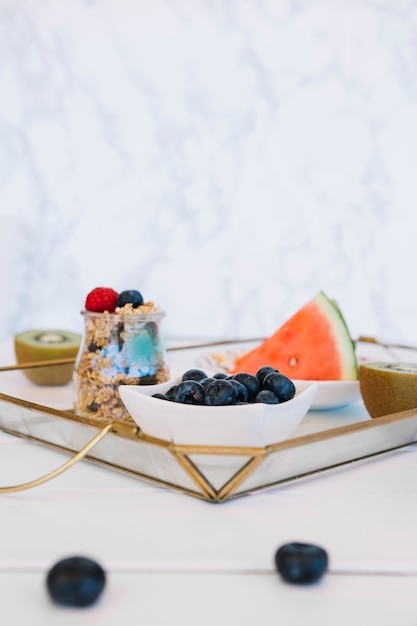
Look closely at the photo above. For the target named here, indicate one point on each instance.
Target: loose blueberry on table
(75, 581)
(268, 386)
(301, 563)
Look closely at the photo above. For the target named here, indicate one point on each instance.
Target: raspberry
(101, 299)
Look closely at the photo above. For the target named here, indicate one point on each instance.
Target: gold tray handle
(60, 470)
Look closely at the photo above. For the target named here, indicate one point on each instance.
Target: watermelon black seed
(301, 563)
(75, 581)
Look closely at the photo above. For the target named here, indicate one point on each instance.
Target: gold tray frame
(211, 473)
(289, 460)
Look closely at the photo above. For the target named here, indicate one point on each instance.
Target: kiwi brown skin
(388, 388)
(33, 345)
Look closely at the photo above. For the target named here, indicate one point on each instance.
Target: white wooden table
(173, 559)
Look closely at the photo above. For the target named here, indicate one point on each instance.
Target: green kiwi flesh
(388, 388)
(45, 345)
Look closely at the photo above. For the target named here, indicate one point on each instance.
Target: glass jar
(117, 349)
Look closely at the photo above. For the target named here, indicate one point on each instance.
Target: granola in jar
(124, 346)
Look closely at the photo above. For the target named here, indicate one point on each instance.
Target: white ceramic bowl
(244, 425)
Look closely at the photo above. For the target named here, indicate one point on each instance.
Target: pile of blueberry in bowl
(195, 387)
(220, 410)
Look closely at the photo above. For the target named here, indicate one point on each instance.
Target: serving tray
(211, 473)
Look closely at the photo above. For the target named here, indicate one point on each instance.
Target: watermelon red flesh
(314, 344)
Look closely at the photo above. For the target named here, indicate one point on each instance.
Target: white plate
(331, 394)
(244, 425)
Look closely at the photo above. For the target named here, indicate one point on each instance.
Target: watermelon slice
(314, 344)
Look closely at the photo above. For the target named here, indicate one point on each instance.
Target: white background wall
(227, 158)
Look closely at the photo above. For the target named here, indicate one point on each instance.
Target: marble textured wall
(227, 158)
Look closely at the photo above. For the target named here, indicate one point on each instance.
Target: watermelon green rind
(344, 340)
(313, 344)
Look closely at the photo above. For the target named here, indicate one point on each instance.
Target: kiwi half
(45, 345)
(388, 387)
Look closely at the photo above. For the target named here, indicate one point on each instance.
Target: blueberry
(130, 296)
(161, 396)
(189, 392)
(171, 392)
(282, 386)
(220, 375)
(219, 393)
(264, 371)
(266, 397)
(301, 563)
(120, 329)
(206, 381)
(194, 374)
(152, 329)
(242, 393)
(75, 581)
(251, 383)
